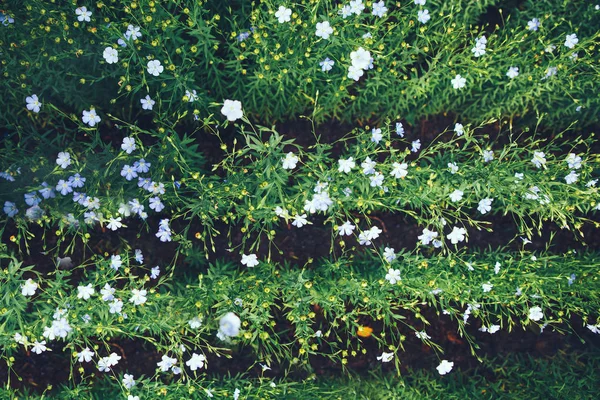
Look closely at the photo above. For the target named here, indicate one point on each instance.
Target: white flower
(457, 235)
(356, 6)
(195, 322)
(399, 129)
(485, 205)
(385, 357)
(366, 237)
(33, 103)
(29, 287)
(232, 109)
(393, 276)
(192, 96)
(445, 367)
(133, 32)
(345, 11)
(326, 64)
(90, 117)
(539, 159)
(346, 229)
(361, 58)
(83, 14)
(572, 177)
(573, 161)
(594, 328)
(128, 172)
(300, 220)
(110, 55)
(479, 49)
(346, 165)
(453, 168)
(459, 129)
(388, 254)
(166, 363)
(591, 183)
(196, 362)
(147, 103)
(355, 73)
(420, 2)
(427, 237)
(84, 292)
(250, 260)
(423, 16)
(513, 72)
(379, 9)
(422, 335)
(535, 313)
(85, 355)
(376, 179)
(229, 326)
(128, 145)
(488, 155)
(138, 297)
(64, 187)
(376, 135)
(107, 292)
(457, 195)
(154, 67)
(283, 14)
(399, 171)
(415, 145)
(533, 25)
(323, 30)
(156, 204)
(63, 160)
(154, 272)
(114, 223)
(458, 82)
(128, 380)
(115, 307)
(487, 287)
(39, 347)
(368, 166)
(571, 40)
(290, 161)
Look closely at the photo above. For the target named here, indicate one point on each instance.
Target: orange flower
(364, 331)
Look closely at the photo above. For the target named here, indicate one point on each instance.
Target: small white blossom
(535, 313)
(513, 72)
(423, 16)
(283, 14)
(147, 103)
(457, 195)
(393, 276)
(445, 367)
(85, 292)
(457, 235)
(83, 15)
(110, 55)
(385, 357)
(154, 67)
(485, 205)
(250, 260)
(533, 25)
(29, 287)
(33, 103)
(290, 161)
(458, 82)
(571, 40)
(232, 109)
(90, 117)
(346, 229)
(323, 30)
